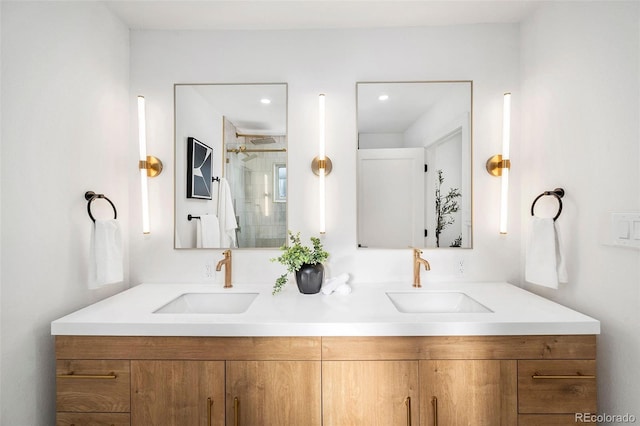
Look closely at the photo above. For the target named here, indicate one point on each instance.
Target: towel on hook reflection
(208, 231)
(226, 215)
(105, 254)
(544, 264)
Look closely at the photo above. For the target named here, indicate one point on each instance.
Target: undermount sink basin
(209, 303)
(436, 302)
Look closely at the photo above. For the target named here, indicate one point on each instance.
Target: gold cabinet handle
(72, 375)
(73, 424)
(408, 404)
(537, 376)
(236, 411)
(434, 403)
(209, 407)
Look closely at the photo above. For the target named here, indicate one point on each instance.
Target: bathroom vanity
(144, 357)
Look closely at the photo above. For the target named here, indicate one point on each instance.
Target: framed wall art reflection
(199, 169)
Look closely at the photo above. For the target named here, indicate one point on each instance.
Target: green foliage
(296, 255)
(445, 207)
(457, 242)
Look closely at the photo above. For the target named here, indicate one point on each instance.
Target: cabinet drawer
(92, 386)
(92, 419)
(567, 386)
(547, 420)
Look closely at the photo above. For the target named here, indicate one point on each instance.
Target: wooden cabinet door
(367, 393)
(273, 393)
(548, 420)
(468, 392)
(177, 393)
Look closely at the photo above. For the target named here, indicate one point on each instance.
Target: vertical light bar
(506, 141)
(321, 160)
(142, 142)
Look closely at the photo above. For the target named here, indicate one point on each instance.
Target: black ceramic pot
(310, 278)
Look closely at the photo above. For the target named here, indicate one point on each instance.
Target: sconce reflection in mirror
(149, 166)
(321, 164)
(499, 165)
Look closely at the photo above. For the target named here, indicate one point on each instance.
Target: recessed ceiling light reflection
(265, 101)
(383, 97)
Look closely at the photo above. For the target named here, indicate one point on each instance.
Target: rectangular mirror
(414, 164)
(230, 165)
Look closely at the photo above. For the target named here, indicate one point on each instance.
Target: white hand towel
(331, 284)
(343, 289)
(105, 254)
(208, 231)
(226, 215)
(544, 263)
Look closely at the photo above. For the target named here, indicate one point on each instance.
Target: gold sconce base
(316, 164)
(495, 165)
(153, 165)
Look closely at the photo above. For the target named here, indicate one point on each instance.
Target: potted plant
(305, 262)
(445, 207)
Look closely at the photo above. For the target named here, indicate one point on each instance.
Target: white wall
(65, 103)
(441, 118)
(380, 140)
(580, 90)
(330, 62)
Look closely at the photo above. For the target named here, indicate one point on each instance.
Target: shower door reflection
(252, 162)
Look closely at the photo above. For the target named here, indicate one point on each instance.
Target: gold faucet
(417, 261)
(227, 270)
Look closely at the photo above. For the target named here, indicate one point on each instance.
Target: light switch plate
(622, 231)
(636, 229)
(625, 229)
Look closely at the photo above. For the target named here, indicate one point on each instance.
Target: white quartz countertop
(367, 311)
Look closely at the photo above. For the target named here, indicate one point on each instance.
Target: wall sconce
(149, 166)
(499, 165)
(321, 165)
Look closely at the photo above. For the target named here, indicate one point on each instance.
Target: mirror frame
(471, 163)
(223, 164)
